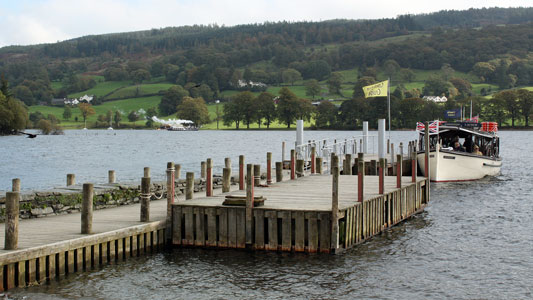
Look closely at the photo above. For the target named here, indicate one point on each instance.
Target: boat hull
(458, 166)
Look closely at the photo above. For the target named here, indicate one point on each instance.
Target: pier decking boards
(296, 216)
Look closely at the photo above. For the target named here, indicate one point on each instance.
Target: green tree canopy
(193, 109)
(267, 108)
(172, 98)
(335, 83)
(326, 114)
(288, 107)
(312, 88)
(291, 76)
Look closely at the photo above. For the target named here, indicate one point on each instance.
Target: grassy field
(140, 90)
(102, 88)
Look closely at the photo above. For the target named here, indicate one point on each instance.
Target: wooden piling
(71, 179)
(111, 176)
(257, 175)
(203, 169)
(87, 209)
(299, 167)
(12, 221)
(227, 162)
(249, 202)
(146, 172)
(313, 160)
(360, 177)
(15, 185)
(293, 162)
(241, 172)
(145, 199)
(381, 176)
(177, 172)
(279, 171)
(209, 178)
(347, 169)
(189, 185)
(319, 161)
(269, 168)
(413, 166)
(335, 208)
(334, 162)
(226, 175)
(171, 172)
(399, 160)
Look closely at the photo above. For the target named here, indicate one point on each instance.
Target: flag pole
(388, 102)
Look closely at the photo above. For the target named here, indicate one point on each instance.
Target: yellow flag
(379, 89)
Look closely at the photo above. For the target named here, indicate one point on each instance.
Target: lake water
(474, 240)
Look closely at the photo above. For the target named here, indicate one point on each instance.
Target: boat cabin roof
(463, 129)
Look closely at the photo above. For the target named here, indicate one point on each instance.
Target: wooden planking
(177, 216)
(286, 231)
(241, 229)
(299, 231)
(232, 228)
(325, 232)
(20, 269)
(222, 227)
(9, 273)
(272, 217)
(200, 226)
(189, 226)
(41, 262)
(259, 225)
(211, 226)
(312, 232)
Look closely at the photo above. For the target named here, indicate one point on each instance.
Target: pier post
(241, 172)
(189, 185)
(171, 173)
(71, 179)
(226, 175)
(360, 177)
(293, 162)
(12, 221)
(209, 178)
(319, 165)
(145, 199)
(257, 175)
(413, 166)
(313, 160)
(392, 159)
(87, 209)
(381, 176)
(426, 148)
(401, 149)
(279, 171)
(177, 174)
(282, 151)
(227, 162)
(111, 176)
(399, 160)
(269, 168)
(146, 172)
(365, 137)
(335, 208)
(347, 169)
(300, 167)
(15, 185)
(382, 151)
(249, 202)
(203, 169)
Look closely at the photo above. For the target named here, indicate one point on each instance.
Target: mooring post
(209, 178)
(71, 179)
(269, 168)
(177, 173)
(279, 171)
(426, 148)
(249, 201)
(145, 199)
(334, 162)
(87, 209)
(257, 175)
(300, 167)
(226, 175)
(293, 162)
(392, 159)
(203, 169)
(335, 208)
(401, 149)
(360, 176)
(241, 172)
(111, 176)
(189, 185)
(313, 160)
(171, 185)
(413, 166)
(381, 176)
(227, 162)
(399, 160)
(347, 165)
(282, 151)
(12, 221)
(15, 185)
(319, 165)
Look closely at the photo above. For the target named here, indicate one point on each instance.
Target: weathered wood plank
(31, 272)
(211, 226)
(70, 262)
(222, 227)
(272, 217)
(325, 232)
(176, 224)
(60, 264)
(10, 276)
(134, 246)
(103, 253)
(41, 270)
(299, 231)
(232, 228)
(189, 226)
(21, 273)
(286, 230)
(259, 224)
(200, 226)
(241, 228)
(312, 219)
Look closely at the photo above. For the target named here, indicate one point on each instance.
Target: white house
(86, 98)
(435, 99)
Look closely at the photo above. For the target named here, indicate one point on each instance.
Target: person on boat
(457, 147)
(468, 144)
(476, 150)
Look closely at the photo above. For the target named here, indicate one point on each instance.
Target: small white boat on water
(460, 151)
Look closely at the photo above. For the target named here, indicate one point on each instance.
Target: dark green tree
(67, 113)
(288, 107)
(267, 108)
(193, 109)
(326, 115)
(172, 98)
(335, 83)
(312, 88)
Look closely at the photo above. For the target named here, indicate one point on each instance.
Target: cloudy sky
(24, 22)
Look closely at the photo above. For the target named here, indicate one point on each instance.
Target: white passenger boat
(460, 151)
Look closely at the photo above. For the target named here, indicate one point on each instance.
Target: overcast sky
(24, 22)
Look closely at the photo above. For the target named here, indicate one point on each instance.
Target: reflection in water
(474, 241)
